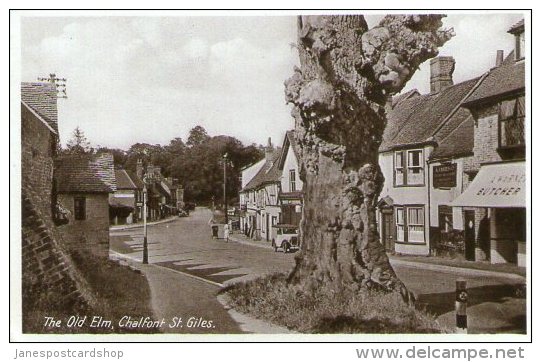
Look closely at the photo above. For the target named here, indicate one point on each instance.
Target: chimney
(441, 73)
(499, 57)
(158, 173)
(269, 150)
(139, 169)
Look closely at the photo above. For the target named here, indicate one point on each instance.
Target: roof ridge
(459, 104)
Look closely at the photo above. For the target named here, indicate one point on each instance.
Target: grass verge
(118, 290)
(325, 311)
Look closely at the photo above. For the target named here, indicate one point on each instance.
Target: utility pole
(225, 189)
(145, 242)
(60, 84)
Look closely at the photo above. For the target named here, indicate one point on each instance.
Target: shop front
(500, 188)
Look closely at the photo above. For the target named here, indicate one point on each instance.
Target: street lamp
(145, 243)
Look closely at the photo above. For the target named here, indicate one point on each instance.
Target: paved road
(185, 245)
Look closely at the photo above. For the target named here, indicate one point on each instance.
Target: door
(388, 229)
(469, 234)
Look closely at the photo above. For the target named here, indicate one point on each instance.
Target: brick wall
(47, 278)
(37, 151)
(486, 136)
(92, 233)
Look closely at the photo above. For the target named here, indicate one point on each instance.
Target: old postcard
(286, 176)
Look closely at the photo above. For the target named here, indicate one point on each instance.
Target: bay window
(410, 224)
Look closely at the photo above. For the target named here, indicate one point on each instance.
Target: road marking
(123, 256)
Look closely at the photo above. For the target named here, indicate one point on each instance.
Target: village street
(184, 250)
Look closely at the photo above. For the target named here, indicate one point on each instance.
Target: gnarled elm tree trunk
(346, 75)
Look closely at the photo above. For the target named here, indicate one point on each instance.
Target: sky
(151, 79)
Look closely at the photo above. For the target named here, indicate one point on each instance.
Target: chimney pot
(269, 150)
(441, 73)
(499, 57)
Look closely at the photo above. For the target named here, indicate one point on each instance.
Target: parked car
(189, 206)
(182, 213)
(285, 237)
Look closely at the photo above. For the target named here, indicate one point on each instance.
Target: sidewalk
(243, 239)
(177, 295)
(428, 263)
(140, 225)
(462, 267)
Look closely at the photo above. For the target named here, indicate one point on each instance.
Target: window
(79, 207)
(511, 116)
(399, 168)
(412, 161)
(445, 218)
(410, 224)
(292, 181)
(400, 224)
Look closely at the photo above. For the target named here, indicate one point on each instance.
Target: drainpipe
(429, 216)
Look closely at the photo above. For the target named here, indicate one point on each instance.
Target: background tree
(198, 135)
(347, 73)
(78, 143)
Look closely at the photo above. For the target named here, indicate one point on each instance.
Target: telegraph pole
(60, 84)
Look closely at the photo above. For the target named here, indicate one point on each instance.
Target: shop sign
(444, 176)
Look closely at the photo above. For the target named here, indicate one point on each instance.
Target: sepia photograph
(277, 175)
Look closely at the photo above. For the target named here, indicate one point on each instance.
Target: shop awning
(497, 185)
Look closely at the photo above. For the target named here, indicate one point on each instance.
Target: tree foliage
(198, 135)
(78, 144)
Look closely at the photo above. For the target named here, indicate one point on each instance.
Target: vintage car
(286, 237)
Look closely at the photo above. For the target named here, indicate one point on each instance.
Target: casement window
(410, 224)
(399, 176)
(409, 168)
(511, 123)
(79, 208)
(292, 186)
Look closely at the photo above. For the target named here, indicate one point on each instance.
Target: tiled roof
(136, 180)
(124, 181)
(402, 97)
(459, 142)
(417, 120)
(518, 27)
(500, 81)
(85, 173)
(41, 97)
(269, 172)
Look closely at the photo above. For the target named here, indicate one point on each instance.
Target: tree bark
(347, 73)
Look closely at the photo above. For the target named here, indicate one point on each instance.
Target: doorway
(388, 229)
